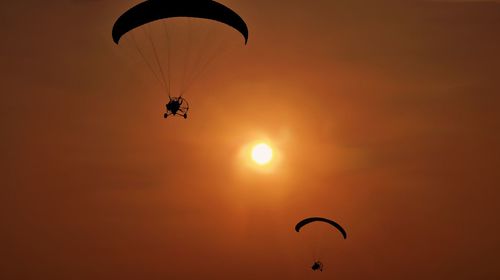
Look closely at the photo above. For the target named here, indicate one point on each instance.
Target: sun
(262, 154)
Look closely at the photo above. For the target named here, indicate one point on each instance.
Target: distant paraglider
(318, 265)
(142, 15)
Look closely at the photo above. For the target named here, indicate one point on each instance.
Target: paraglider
(318, 265)
(144, 14)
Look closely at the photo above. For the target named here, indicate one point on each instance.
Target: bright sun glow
(262, 154)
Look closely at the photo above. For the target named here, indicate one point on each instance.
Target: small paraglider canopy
(307, 221)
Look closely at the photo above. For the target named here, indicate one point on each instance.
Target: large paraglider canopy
(152, 10)
(307, 221)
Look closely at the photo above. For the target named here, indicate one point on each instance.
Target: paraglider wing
(152, 10)
(319, 219)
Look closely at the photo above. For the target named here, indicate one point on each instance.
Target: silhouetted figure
(317, 265)
(177, 106)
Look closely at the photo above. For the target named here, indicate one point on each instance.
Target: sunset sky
(382, 115)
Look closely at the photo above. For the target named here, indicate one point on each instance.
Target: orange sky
(385, 116)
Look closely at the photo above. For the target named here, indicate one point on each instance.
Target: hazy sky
(384, 116)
